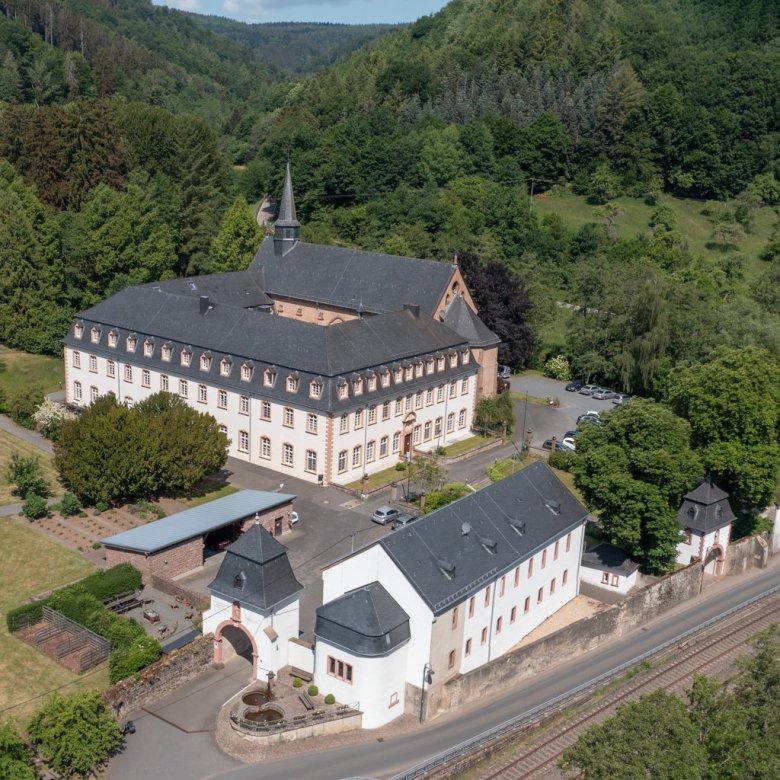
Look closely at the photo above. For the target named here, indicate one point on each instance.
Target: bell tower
(287, 230)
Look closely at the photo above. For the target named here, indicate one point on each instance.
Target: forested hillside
(294, 47)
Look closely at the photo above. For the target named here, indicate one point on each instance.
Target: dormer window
(239, 581)
(372, 382)
(385, 379)
(343, 390)
(315, 389)
(113, 338)
(440, 363)
(78, 330)
(246, 372)
(429, 365)
(292, 384)
(148, 348)
(132, 343)
(166, 352)
(453, 360)
(94, 334)
(357, 386)
(397, 375)
(269, 377)
(186, 357)
(464, 357)
(418, 369)
(408, 374)
(224, 366)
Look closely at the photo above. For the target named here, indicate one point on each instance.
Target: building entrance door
(407, 443)
(277, 526)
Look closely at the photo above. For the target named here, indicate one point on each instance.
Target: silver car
(589, 389)
(602, 394)
(385, 514)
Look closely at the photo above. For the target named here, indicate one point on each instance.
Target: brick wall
(167, 563)
(308, 312)
(268, 519)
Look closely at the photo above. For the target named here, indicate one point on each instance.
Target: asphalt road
(382, 759)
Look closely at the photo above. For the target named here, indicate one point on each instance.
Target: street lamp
(426, 678)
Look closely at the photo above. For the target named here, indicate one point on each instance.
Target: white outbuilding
(609, 567)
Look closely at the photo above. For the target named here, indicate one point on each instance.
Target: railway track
(717, 646)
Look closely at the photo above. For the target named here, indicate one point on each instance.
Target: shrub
(400, 466)
(450, 492)
(330, 699)
(558, 368)
(111, 582)
(49, 416)
(493, 413)
(70, 505)
(23, 405)
(313, 690)
(128, 659)
(562, 460)
(25, 614)
(96, 545)
(297, 682)
(34, 508)
(15, 756)
(101, 506)
(26, 474)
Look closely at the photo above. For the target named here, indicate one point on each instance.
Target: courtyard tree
(426, 472)
(26, 474)
(492, 414)
(633, 471)
(733, 406)
(15, 757)
(75, 733)
(238, 238)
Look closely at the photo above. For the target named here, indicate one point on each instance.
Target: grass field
(32, 564)
(575, 212)
(9, 445)
(20, 371)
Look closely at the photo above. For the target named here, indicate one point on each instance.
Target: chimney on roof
(287, 230)
(413, 308)
(204, 304)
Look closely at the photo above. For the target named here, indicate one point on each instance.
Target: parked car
(569, 434)
(575, 385)
(568, 444)
(403, 520)
(602, 394)
(504, 372)
(588, 389)
(589, 417)
(293, 518)
(385, 514)
(620, 398)
(548, 445)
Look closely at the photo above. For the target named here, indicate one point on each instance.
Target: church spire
(287, 230)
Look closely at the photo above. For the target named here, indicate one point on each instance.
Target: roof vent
(693, 510)
(192, 285)
(465, 529)
(204, 304)
(489, 544)
(553, 506)
(517, 525)
(446, 567)
(239, 580)
(412, 308)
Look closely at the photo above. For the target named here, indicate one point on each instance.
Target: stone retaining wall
(198, 600)
(749, 553)
(161, 678)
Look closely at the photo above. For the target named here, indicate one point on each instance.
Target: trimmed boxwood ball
(330, 699)
(297, 682)
(313, 690)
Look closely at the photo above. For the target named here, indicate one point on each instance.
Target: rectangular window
(205, 362)
(455, 618)
(182, 388)
(396, 441)
(339, 669)
(246, 373)
(344, 423)
(527, 605)
(502, 588)
(615, 580)
(146, 378)
(418, 400)
(370, 451)
(243, 404)
(472, 602)
(315, 390)
(427, 431)
(358, 419)
(487, 596)
(437, 427)
(265, 410)
(464, 386)
(453, 389)
(605, 578)
(539, 595)
(386, 410)
(93, 394)
(78, 331)
(311, 460)
(517, 576)
(77, 390)
(393, 699)
(408, 402)
(513, 615)
(371, 415)
(289, 417)
(530, 567)
(429, 396)
(451, 660)
(555, 550)
(544, 558)
(342, 461)
(311, 423)
(243, 441)
(94, 335)
(203, 394)
(128, 373)
(148, 348)
(565, 576)
(499, 625)
(398, 406)
(450, 422)
(265, 447)
(93, 364)
(552, 586)
(223, 429)
(292, 384)
(166, 353)
(468, 647)
(383, 447)
(439, 393)
(568, 542)
(343, 391)
(164, 383)
(186, 357)
(483, 636)
(462, 418)
(110, 368)
(416, 434)
(222, 399)
(287, 454)
(355, 456)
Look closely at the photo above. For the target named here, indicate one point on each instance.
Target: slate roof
(459, 316)
(287, 216)
(706, 508)
(367, 621)
(608, 557)
(351, 278)
(236, 288)
(160, 534)
(256, 571)
(507, 523)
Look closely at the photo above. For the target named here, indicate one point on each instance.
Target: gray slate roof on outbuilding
(459, 316)
(608, 557)
(451, 553)
(367, 622)
(256, 571)
(190, 523)
(352, 278)
(706, 508)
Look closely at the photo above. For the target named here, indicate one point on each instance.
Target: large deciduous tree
(238, 238)
(634, 470)
(733, 406)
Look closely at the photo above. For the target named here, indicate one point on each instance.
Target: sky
(344, 11)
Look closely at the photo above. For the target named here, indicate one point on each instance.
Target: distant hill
(293, 47)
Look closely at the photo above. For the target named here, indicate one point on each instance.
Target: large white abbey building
(322, 362)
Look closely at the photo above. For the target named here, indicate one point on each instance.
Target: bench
(305, 676)
(306, 701)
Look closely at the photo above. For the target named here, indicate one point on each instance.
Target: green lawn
(205, 492)
(31, 565)
(379, 479)
(10, 444)
(466, 445)
(20, 371)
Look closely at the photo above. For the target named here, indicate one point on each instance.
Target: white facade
(484, 626)
(285, 436)
(609, 580)
(698, 544)
(270, 634)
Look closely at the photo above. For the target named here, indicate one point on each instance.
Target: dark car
(589, 418)
(504, 372)
(575, 386)
(569, 435)
(548, 445)
(403, 520)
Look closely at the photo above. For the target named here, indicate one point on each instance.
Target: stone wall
(167, 563)
(571, 641)
(160, 679)
(749, 553)
(198, 600)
